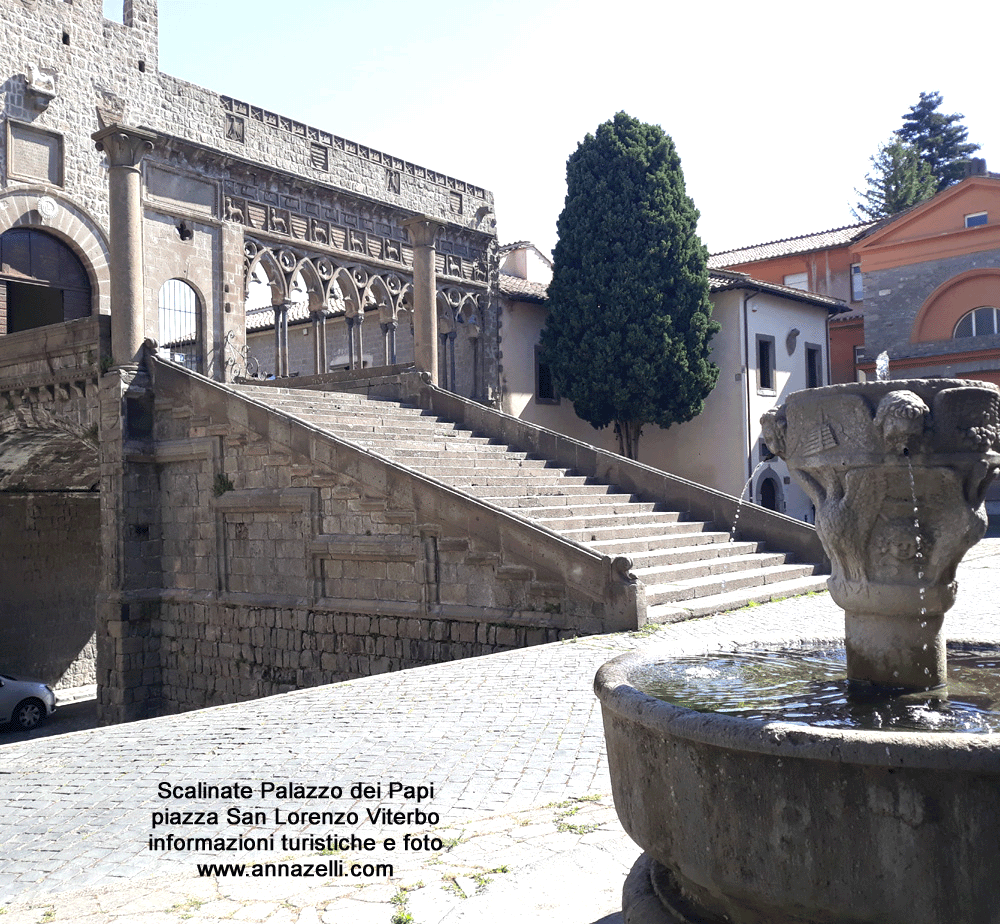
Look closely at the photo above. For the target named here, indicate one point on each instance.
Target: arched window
(180, 324)
(982, 322)
(41, 281)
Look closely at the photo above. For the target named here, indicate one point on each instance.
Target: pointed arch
(265, 266)
(342, 295)
(378, 296)
(313, 283)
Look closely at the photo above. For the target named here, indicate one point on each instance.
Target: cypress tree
(630, 323)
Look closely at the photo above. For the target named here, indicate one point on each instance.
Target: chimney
(975, 166)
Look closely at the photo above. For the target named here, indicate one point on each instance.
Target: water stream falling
(739, 505)
(919, 554)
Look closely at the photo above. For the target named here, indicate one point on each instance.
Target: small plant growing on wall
(222, 484)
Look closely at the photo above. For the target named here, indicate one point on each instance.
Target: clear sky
(775, 107)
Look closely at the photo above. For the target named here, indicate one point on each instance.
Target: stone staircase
(689, 568)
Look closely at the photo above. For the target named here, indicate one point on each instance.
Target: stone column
(389, 340)
(281, 339)
(319, 341)
(360, 351)
(125, 148)
(349, 322)
(451, 359)
(423, 232)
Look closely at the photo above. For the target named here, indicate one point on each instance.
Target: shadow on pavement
(72, 717)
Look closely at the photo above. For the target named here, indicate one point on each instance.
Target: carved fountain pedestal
(897, 472)
(758, 822)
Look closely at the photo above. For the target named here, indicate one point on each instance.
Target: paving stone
(79, 804)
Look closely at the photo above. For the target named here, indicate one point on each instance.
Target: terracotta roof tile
(522, 289)
(819, 240)
(263, 318)
(720, 280)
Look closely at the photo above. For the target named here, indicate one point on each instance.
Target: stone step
(485, 478)
(735, 599)
(565, 489)
(612, 503)
(631, 513)
(715, 585)
(687, 567)
(661, 540)
(409, 439)
(597, 528)
(310, 397)
(668, 569)
(377, 423)
(360, 409)
(705, 552)
(447, 468)
(455, 450)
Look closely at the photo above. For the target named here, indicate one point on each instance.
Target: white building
(773, 341)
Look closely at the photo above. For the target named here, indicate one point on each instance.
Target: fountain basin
(754, 822)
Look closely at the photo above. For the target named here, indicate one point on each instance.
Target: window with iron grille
(180, 324)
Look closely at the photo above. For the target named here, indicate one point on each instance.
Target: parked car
(25, 703)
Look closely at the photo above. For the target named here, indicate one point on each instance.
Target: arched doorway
(769, 490)
(769, 494)
(42, 281)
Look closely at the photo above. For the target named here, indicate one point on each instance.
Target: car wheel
(28, 714)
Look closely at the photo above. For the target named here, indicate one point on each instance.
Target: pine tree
(940, 139)
(629, 324)
(899, 179)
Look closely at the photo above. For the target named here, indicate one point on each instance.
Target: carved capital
(423, 230)
(124, 147)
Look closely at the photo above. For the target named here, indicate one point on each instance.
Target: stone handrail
(703, 503)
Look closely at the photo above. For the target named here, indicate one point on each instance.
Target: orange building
(923, 286)
(823, 263)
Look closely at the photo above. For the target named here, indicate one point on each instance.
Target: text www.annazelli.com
(326, 870)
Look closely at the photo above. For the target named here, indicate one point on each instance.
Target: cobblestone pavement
(512, 744)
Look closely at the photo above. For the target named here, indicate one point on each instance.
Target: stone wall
(213, 653)
(894, 297)
(49, 548)
(301, 345)
(91, 62)
(227, 181)
(258, 554)
(224, 175)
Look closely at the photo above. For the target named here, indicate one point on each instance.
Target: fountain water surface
(765, 818)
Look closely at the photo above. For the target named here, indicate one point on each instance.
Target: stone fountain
(766, 822)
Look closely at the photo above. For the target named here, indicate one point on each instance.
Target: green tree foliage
(899, 179)
(630, 323)
(940, 139)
